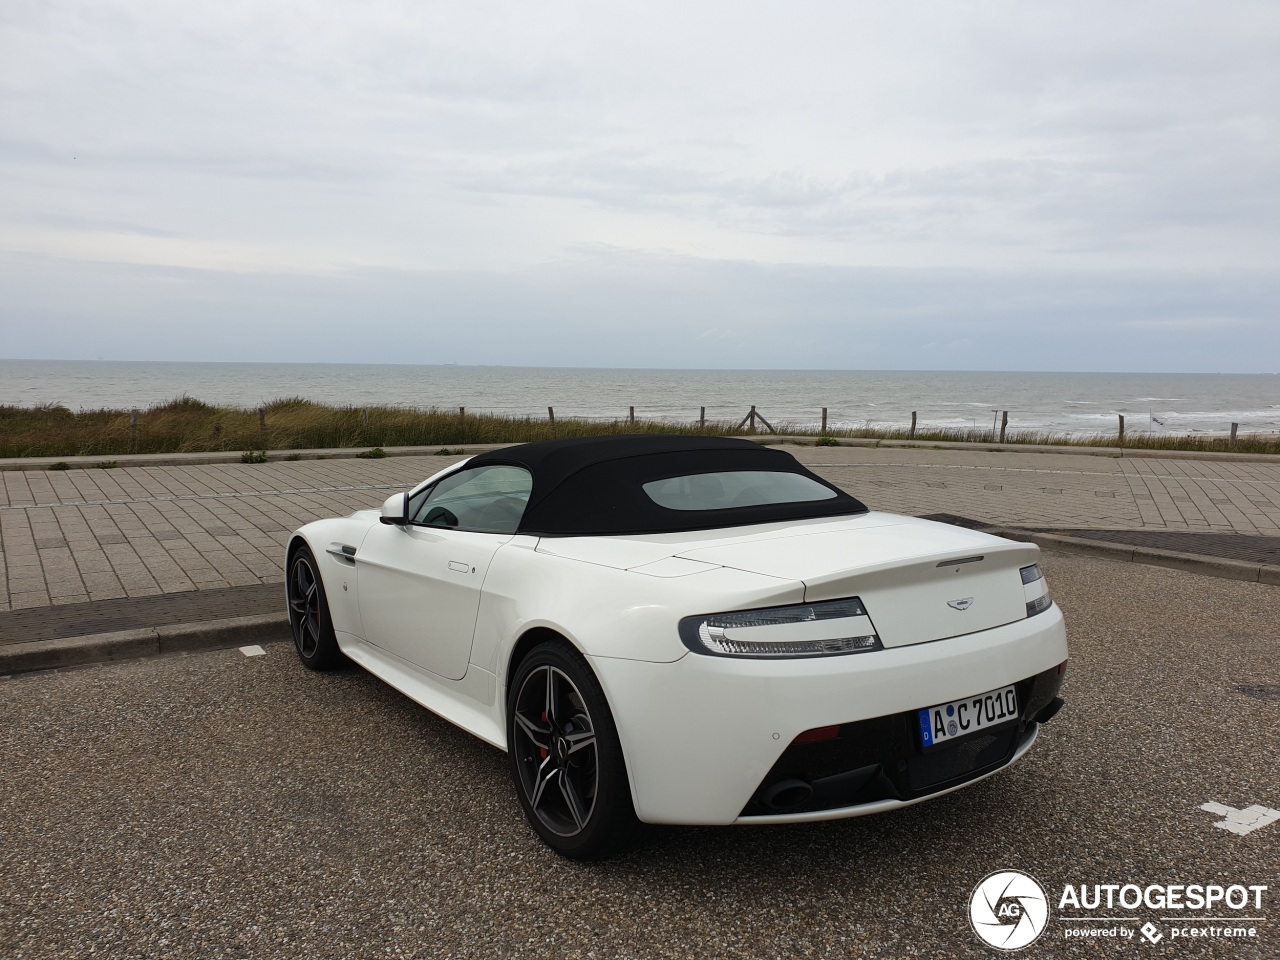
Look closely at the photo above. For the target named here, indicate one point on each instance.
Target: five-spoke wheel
(309, 614)
(565, 757)
(560, 771)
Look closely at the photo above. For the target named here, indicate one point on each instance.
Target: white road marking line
(253, 651)
(1243, 821)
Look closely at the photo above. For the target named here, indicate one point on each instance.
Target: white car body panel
(340, 575)
(892, 564)
(633, 550)
(467, 704)
(601, 610)
(419, 590)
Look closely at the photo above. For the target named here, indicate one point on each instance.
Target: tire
(566, 761)
(309, 614)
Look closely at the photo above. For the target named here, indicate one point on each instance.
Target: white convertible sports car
(686, 630)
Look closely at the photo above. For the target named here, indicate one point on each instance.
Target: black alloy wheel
(309, 614)
(565, 757)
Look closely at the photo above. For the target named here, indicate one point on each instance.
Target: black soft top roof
(593, 486)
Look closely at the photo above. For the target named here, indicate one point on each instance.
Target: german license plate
(950, 721)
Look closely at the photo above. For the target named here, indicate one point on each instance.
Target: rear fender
(604, 611)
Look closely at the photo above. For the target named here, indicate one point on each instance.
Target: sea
(1065, 403)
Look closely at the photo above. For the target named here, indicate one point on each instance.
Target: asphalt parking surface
(215, 805)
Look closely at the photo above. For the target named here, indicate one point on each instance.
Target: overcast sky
(966, 185)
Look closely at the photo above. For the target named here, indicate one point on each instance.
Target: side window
(489, 499)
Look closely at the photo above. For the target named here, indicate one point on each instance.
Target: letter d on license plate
(950, 721)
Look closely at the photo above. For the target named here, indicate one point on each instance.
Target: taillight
(829, 628)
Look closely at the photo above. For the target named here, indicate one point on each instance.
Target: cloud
(1192, 324)
(734, 165)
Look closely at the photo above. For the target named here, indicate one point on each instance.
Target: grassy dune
(187, 425)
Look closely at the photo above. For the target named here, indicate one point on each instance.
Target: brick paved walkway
(1060, 490)
(82, 536)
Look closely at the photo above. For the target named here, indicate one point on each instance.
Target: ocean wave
(1035, 401)
(1236, 415)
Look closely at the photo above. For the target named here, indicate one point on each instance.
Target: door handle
(458, 567)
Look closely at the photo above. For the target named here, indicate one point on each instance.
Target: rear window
(735, 488)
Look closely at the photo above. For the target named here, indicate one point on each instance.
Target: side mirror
(395, 510)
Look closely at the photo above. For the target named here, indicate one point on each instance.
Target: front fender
(338, 575)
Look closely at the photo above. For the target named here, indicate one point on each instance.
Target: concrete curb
(1196, 563)
(132, 644)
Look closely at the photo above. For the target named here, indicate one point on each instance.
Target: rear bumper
(864, 808)
(703, 735)
(873, 761)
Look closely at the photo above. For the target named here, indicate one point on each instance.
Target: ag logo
(1008, 910)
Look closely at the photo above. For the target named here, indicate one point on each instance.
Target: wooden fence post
(462, 413)
(462, 424)
(824, 420)
(364, 418)
(1004, 423)
(1121, 416)
(551, 415)
(133, 430)
(702, 418)
(912, 435)
(262, 418)
(631, 416)
(752, 417)
(1234, 428)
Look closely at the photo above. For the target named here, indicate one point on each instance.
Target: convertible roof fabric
(594, 486)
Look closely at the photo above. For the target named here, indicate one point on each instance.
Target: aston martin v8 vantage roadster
(686, 630)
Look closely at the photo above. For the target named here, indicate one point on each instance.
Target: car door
(419, 583)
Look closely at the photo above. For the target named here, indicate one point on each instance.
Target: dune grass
(188, 425)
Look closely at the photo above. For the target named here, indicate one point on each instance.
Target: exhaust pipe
(786, 795)
(1050, 711)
